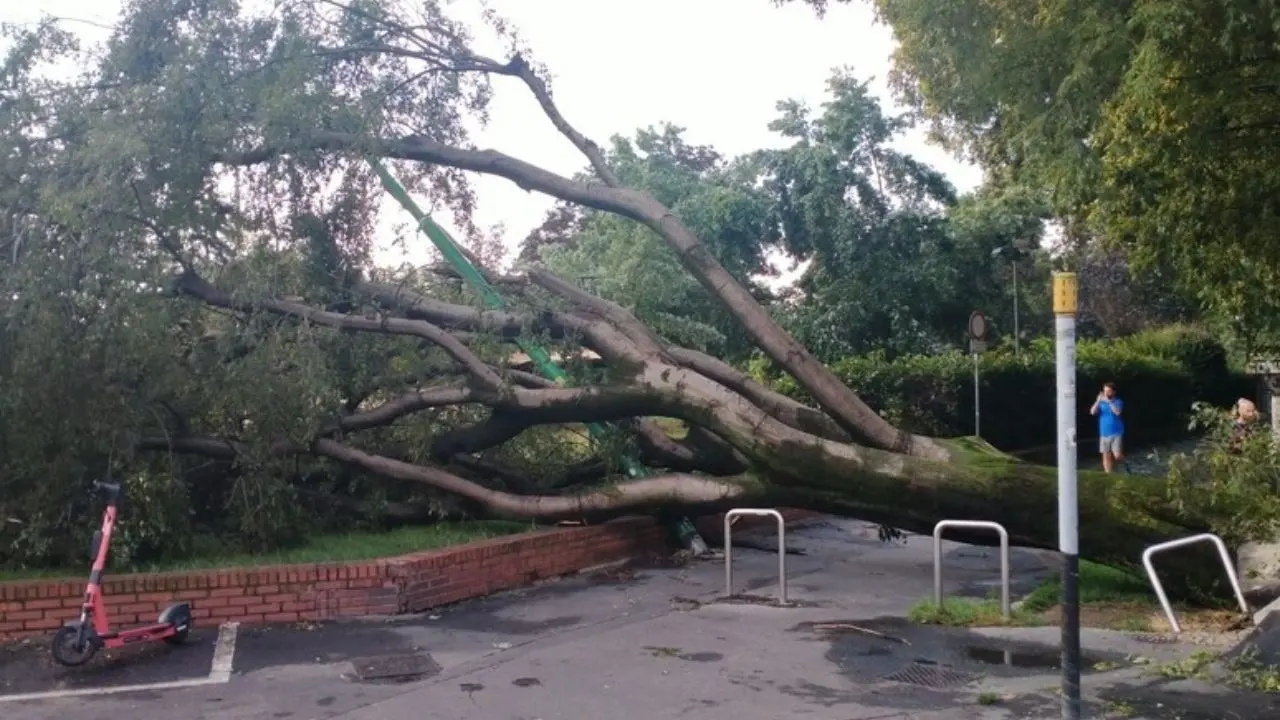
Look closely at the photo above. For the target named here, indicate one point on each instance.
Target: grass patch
(1098, 584)
(968, 612)
(1109, 598)
(346, 547)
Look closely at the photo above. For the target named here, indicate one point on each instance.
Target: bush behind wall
(1159, 374)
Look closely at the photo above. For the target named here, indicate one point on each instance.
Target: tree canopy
(1146, 122)
(189, 297)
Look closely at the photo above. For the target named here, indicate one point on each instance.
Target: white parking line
(224, 651)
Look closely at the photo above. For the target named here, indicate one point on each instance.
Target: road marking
(224, 651)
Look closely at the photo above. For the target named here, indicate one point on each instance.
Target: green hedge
(1159, 374)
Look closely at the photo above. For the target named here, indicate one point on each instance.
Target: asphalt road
(653, 643)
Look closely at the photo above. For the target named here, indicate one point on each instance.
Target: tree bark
(751, 445)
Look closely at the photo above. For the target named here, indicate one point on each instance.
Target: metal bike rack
(1005, 608)
(1183, 542)
(782, 549)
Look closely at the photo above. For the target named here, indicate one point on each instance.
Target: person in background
(1108, 408)
(1246, 420)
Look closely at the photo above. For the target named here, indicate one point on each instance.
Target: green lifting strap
(681, 527)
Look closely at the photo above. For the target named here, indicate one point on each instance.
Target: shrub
(1159, 374)
(1231, 486)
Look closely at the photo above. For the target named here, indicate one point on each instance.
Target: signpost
(1268, 368)
(1064, 324)
(977, 346)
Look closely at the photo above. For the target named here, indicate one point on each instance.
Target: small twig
(856, 628)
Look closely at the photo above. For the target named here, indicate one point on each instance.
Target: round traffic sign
(977, 325)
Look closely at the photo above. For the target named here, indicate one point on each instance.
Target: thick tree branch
(398, 407)
(674, 488)
(793, 413)
(191, 284)
(844, 406)
(497, 429)
(453, 317)
(617, 315)
(701, 451)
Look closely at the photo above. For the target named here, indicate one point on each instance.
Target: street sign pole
(1064, 323)
(977, 346)
(977, 397)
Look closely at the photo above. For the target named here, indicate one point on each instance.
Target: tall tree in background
(1148, 123)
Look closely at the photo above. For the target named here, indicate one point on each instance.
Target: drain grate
(394, 668)
(930, 676)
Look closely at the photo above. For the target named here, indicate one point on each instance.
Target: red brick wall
(410, 583)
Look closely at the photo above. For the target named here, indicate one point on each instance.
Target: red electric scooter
(77, 642)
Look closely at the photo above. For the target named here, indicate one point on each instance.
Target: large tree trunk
(748, 446)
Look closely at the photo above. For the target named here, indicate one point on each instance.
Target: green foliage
(1148, 125)
(1098, 584)
(1160, 373)
(1231, 481)
(341, 547)
(895, 261)
(968, 612)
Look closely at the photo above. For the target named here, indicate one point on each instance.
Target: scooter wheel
(178, 616)
(69, 650)
(179, 637)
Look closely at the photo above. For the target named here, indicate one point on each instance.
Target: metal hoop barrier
(782, 549)
(1183, 542)
(1005, 608)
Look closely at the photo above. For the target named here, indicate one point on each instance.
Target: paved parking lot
(646, 642)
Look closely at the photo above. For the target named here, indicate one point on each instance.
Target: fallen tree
(746, 444)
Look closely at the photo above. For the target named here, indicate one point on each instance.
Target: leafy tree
(205, 213)
(1144, 122)
(896, 262)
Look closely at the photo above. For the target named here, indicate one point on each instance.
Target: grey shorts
(1113, 444)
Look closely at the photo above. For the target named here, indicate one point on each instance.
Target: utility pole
(1065, 303)
(1013, 254)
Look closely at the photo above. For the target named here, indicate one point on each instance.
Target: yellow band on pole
(1065, 293)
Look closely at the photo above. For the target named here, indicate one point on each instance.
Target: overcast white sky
(716, 67)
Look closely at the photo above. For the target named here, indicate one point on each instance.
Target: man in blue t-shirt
(1110, 427)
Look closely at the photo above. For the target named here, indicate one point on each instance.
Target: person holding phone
(1108, 409)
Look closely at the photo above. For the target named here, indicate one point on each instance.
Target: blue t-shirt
(1109, 423)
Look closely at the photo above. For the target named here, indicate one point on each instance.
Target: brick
(24, 615)
(43, 624)
(281, 617)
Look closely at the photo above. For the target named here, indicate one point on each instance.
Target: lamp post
(1014, 254)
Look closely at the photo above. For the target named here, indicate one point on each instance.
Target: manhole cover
(930, 676)
(394, 668)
